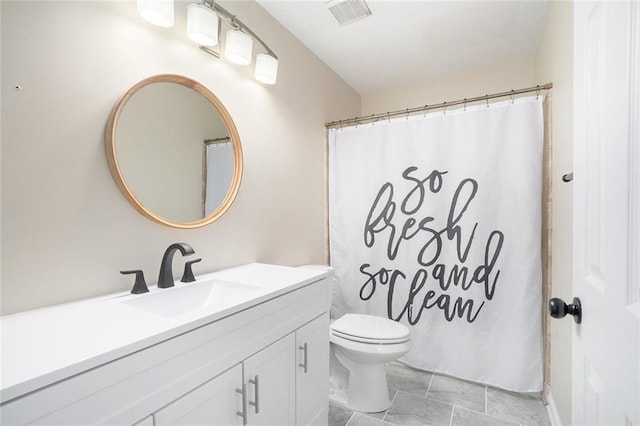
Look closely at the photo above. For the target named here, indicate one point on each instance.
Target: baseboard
(552, 410)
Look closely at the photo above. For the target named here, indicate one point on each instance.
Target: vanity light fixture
(158, 12)
(266, 69)
(204, 21)
(202, 25)
(238, 47)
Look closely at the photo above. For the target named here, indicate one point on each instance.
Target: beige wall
(554, 62)
(500, 78)
(66, 229)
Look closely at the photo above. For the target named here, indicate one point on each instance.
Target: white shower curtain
(218, 174)
(435, 222)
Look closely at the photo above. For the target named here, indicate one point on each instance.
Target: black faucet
(165, 279)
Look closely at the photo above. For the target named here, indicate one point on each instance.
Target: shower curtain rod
(217, 140)
(444, 105)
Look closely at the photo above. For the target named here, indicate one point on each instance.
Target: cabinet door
(312, 375)
(214, 403)
(270, 379)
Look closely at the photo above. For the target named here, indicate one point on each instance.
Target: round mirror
(174, 151)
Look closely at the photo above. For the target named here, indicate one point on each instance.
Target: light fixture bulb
(202, 25)
(238, 47)
(266, 69)
(158, 12)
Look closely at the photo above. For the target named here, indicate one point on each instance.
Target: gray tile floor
(421, 398)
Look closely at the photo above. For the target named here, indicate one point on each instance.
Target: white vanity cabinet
(312, 375)
(278, 387)
(213, 403)
(199, 374)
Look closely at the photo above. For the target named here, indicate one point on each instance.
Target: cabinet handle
(304, 362)
(243, 413)
(256, 382)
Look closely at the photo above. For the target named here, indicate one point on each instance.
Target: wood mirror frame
(116, 172)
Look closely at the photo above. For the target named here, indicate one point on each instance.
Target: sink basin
(186, 298)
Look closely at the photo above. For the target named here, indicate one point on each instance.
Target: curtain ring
(373, 120)
(357, 122)
(388, 118)
(444, 105)
(537, 91)
(340, 124)
(407, 111)
(487, 98)
(425, 111)
(513, 96)
(465, 104)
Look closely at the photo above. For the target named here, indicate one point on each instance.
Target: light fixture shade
(266, 69)
(202, 25)
(158, 12)
(238, 47)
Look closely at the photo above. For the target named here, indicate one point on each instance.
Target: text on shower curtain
(394, 219)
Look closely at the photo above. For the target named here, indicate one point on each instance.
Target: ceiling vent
(347, 11)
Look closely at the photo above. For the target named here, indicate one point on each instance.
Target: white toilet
(361, 345)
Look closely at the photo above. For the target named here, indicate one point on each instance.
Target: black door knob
(559, 309)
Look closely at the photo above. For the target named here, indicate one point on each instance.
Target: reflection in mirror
(217, 172)
(174, 151)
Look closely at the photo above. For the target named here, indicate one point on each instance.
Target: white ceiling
(404, 42)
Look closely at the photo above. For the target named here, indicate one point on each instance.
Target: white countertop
(42, 346)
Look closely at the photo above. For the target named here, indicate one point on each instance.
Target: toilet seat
(370, 329)
(361, 339)
(377, 349)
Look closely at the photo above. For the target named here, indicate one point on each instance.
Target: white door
(606, 353)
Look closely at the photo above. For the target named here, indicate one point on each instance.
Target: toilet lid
(369, 328)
